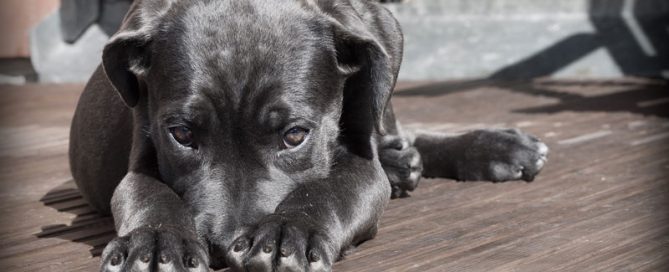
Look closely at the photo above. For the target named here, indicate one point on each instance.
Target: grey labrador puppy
(258, 135)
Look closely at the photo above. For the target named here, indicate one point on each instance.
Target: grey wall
(465, 39)
(459, 39)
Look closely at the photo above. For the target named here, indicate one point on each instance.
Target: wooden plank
(599, 204)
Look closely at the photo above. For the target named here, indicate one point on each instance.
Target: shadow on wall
(635, 34)
(77, 15)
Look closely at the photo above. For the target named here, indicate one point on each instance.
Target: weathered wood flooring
(601, 203)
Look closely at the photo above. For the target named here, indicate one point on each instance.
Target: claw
(314, 257)
(115, 260)
(192, 262)
(268, 248)
(280, 243)
(145, 258)
(285, 252)
(529, 179)
(149, 249)
(164, 259)
(240, 245)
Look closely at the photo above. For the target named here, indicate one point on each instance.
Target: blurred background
(60, 41)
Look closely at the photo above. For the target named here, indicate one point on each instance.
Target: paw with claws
(155, 249)
(280, 243)
(500, 155)
(402, 164)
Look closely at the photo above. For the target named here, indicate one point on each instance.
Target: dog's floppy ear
(125, 57)
(362, 58)
(123, 61)
(369, 86)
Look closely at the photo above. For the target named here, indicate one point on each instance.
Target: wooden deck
(601, 204)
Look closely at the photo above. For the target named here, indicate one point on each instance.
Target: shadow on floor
(88, 227)
(648, 97)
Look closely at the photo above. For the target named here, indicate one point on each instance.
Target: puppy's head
(253, 97)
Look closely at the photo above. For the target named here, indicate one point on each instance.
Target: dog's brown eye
(183, 135)
(295, 136)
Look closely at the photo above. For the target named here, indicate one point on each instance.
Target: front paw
(501, 155)
(280, 243)
(155, 249)
(402, 164)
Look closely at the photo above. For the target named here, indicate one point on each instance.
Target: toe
(542, 149)
(262, 254)
(292, 251)
(316, 260)
(142, 248)
(114, 255)
(539, 160)
(261, 261)
(151, 249)
(175, 253)
(318, 252)
(237, 252)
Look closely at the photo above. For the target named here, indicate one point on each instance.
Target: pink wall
(17, 17)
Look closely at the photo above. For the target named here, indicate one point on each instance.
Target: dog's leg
(155, 228)
(310, 228)
(156, 232)
(487, 154)
(400, 159)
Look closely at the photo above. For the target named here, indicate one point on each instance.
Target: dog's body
(258, 135)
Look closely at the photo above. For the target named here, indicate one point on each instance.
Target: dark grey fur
(239, 73)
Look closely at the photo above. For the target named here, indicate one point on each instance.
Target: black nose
(217, 257)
